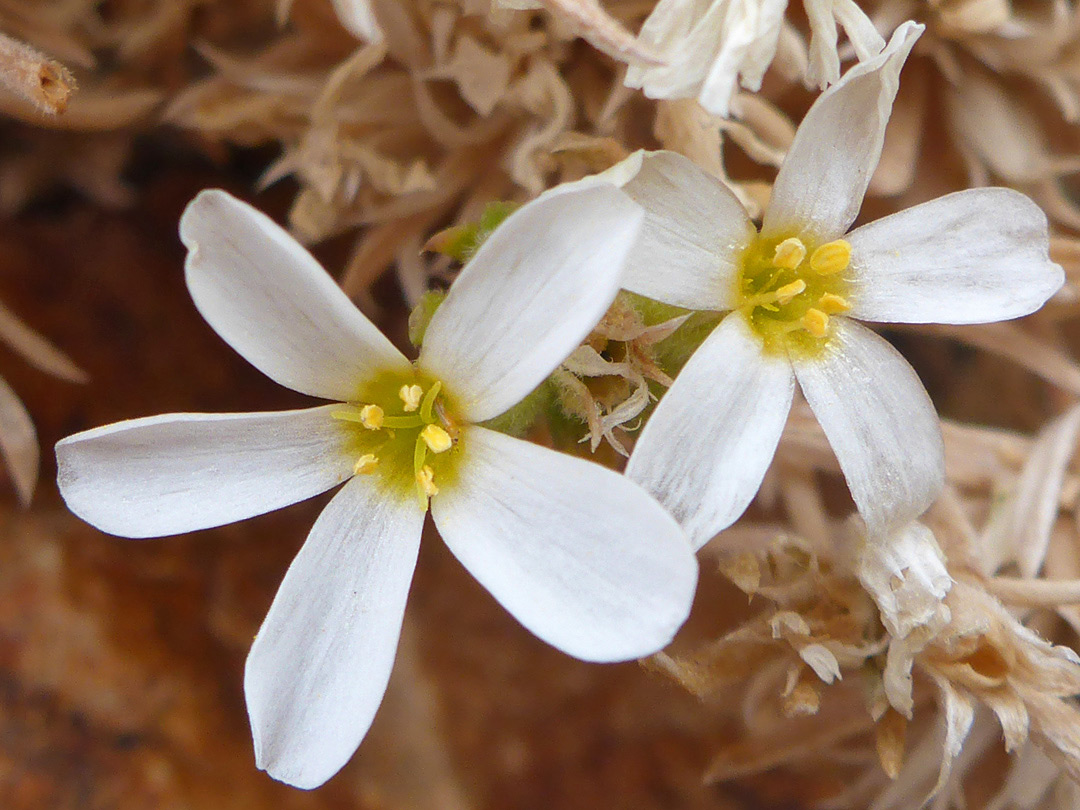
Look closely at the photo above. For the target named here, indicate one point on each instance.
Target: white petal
(860, 30)
(578, 554)
(185, 471)
(824, 67)
(706, 45)
(533, 291)
(740, 32)
(705, 450)
(273, 303)
(687, 35)
(975, 256)
(694, 231)
(319, 666)
(358, 17)
(820, 187)
(880, 423)
(18, 443)
(762, 51)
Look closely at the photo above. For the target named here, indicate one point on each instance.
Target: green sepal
(520, 419)
(461, 242)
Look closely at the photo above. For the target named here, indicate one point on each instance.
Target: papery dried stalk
(43, 82)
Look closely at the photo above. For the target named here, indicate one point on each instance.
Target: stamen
(402, 422)
(425, 480)
(419, 454)
(411, 396)
(371, 417)
(815, 322)
(437, 439)
(832, 304)
(832, 257)
(366, 464)
(789, 291)
(789, 253)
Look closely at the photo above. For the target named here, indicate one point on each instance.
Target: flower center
(789, 286)
(403, 430)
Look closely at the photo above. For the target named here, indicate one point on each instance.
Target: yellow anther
(832, 304)
(437, 439)
(832, 257)
(815, 322)
(365, 464)
(371, 417)
(789, 253)
(425, 479)
(789, 291)
(411, 396)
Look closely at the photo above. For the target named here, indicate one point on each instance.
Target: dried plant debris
(18, 439)
(488, 100)
(908, 641)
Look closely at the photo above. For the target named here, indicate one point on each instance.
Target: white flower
(581, 556)
(707, 45)
(975, 256)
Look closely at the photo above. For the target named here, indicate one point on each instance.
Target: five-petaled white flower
(581, 556)
(975, 256)
(709, 45)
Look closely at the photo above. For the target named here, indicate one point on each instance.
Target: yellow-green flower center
(404, 432)
(789, 286)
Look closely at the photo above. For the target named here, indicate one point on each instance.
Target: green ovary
(404, 433)
(788, 287)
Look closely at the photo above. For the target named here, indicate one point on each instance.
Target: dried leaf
(18, 443)
(37, 350)
(1021, 527)
(889, 735)
(588, 20)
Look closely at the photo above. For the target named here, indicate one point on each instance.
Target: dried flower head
(709, 48)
